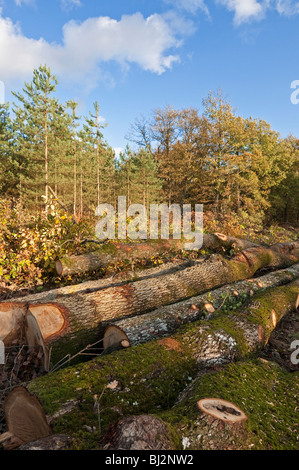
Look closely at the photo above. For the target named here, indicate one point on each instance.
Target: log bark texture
(142, 432)
(167, 319)
(114, 252)
(149, 377)
(55, 442)
(66, 321)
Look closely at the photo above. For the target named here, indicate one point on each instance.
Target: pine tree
(8, 162)
(36, 115)
(92, 128)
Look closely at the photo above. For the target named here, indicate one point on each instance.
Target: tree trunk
(54, 442)
(65, 321)
(167, 319)
(264, 392)
(113, 252)
(131, 299)
(73, 322)
(148, 378)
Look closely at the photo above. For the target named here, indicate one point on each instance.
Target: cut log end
(274, 318)
(222, 409)
(59, 268)
(209, 308)
(115, 338)
(221, 236)
(25, 417)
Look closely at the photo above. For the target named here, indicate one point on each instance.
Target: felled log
(75, 321)
(167, 319)
(45, 319)
(115, 279)
(248, 405)
(11, 321)
(115, 252)
(130, 299)
(262, 416)
(149, 377)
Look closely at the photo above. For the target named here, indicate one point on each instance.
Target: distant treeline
(233, 165)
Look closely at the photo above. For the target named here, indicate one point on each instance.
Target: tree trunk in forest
(162, 367)
(114, 252)
(167, 319)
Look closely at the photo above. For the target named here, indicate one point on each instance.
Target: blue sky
(135, 56)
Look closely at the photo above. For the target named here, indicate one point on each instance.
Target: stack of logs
(257, 285)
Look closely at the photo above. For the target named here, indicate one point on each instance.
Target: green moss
(267, 394)
(149, 378)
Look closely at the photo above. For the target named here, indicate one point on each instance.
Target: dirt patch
(170, 344)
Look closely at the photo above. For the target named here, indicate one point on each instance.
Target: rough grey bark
(167, 319)
(54, 442)
(142, 432)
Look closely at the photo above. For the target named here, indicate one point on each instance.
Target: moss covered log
(148, 378)
(250, 405)
(114, 252)
(266, 393)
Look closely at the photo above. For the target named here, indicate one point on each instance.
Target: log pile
(154, 331)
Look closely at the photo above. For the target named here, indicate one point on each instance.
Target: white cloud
(86, 45)
(191, 6)
(248, 10)
(244, 10)
(287, 7)
(118, 151)
(69, 4)
(19, 3)
(133, 39)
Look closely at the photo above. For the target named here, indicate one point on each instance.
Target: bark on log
(80, 318)
(166, 320)
(145, 295)
(114, 252)
(120, 278)
(46, 319)
(55, 442)
(149, 377)
(137, 433)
